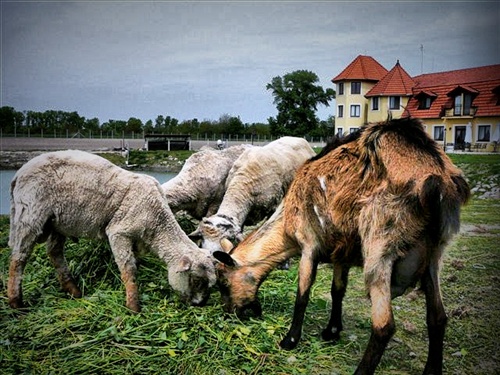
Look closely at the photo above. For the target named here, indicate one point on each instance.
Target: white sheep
(255, 186)
(77, 194)
(199, 187)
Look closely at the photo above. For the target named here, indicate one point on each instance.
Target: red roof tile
(396, 82)
(481, 82)
(364, 68)
(457, 77)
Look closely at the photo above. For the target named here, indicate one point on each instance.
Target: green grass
(481, 170)
(96, 334)
(145, 159)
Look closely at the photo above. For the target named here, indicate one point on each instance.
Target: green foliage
(148, 159)
(10, 119)
(52, 123)
(297, 97)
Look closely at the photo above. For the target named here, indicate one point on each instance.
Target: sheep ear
(224, 258)
(226, 245)
(184, 264)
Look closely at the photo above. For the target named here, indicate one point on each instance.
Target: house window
(340, 132)
(340, 111)
(355, 110)
(394, 102)
(457, 110)
(483, 133)
(355, 87)
(463, 105)
(467, 104)
(353, 130)
(425, 102)
(341, 88)
(375, 100)
(439, 133)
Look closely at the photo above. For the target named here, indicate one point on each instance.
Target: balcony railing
(460, 112)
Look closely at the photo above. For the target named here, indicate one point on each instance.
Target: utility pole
(421, 59)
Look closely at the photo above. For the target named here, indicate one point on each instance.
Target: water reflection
(6, 177)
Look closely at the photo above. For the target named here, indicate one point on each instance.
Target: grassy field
(98, 335)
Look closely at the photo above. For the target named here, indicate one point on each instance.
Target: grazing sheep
(76, 194)
(386, 198)
(200, 185)
(256, 184)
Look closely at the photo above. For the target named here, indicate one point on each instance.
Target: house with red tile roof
(358, 78)
(460, 108)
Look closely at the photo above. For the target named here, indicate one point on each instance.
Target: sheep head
(212, 230)
(193, 277)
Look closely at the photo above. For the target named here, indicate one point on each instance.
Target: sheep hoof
(73, 290)
(134, 307)
(288, 343)
(16, 303)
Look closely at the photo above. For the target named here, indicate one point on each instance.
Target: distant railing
(460, 112)
(232, 138)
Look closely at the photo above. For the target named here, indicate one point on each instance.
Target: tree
(148, 127)
(10, 120)
(297, 97)
(230, 125)
(92, 124)
(159, 123)
(134, 125)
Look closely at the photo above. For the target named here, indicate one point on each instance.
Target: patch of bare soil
(16, 159)
(479, 229)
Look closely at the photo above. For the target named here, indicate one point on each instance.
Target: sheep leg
(307, 274)
(383, 326)
(19, 256)
(55, 251)
(339, 285)
(436, 320)
(124, 258)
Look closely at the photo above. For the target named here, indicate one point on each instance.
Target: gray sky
(122, 59)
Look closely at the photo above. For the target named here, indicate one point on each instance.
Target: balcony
(460, 112)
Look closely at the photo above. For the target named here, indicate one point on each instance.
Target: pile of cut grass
(97, 334)
(56, 334)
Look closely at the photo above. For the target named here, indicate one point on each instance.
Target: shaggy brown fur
(386, 198)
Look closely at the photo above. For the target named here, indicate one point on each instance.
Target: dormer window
(462, 100)
(425, 102)
(496, 91)
(463, 104)
(425, 99)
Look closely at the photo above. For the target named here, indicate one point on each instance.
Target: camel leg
(307, 273)
(339, 285)
(378, 272)
(436, 320)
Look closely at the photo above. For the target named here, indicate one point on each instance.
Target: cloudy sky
(122, 59)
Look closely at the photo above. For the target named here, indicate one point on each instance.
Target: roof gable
(363, 68)
(396, 82)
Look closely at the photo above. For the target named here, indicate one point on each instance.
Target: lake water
(7, 175)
